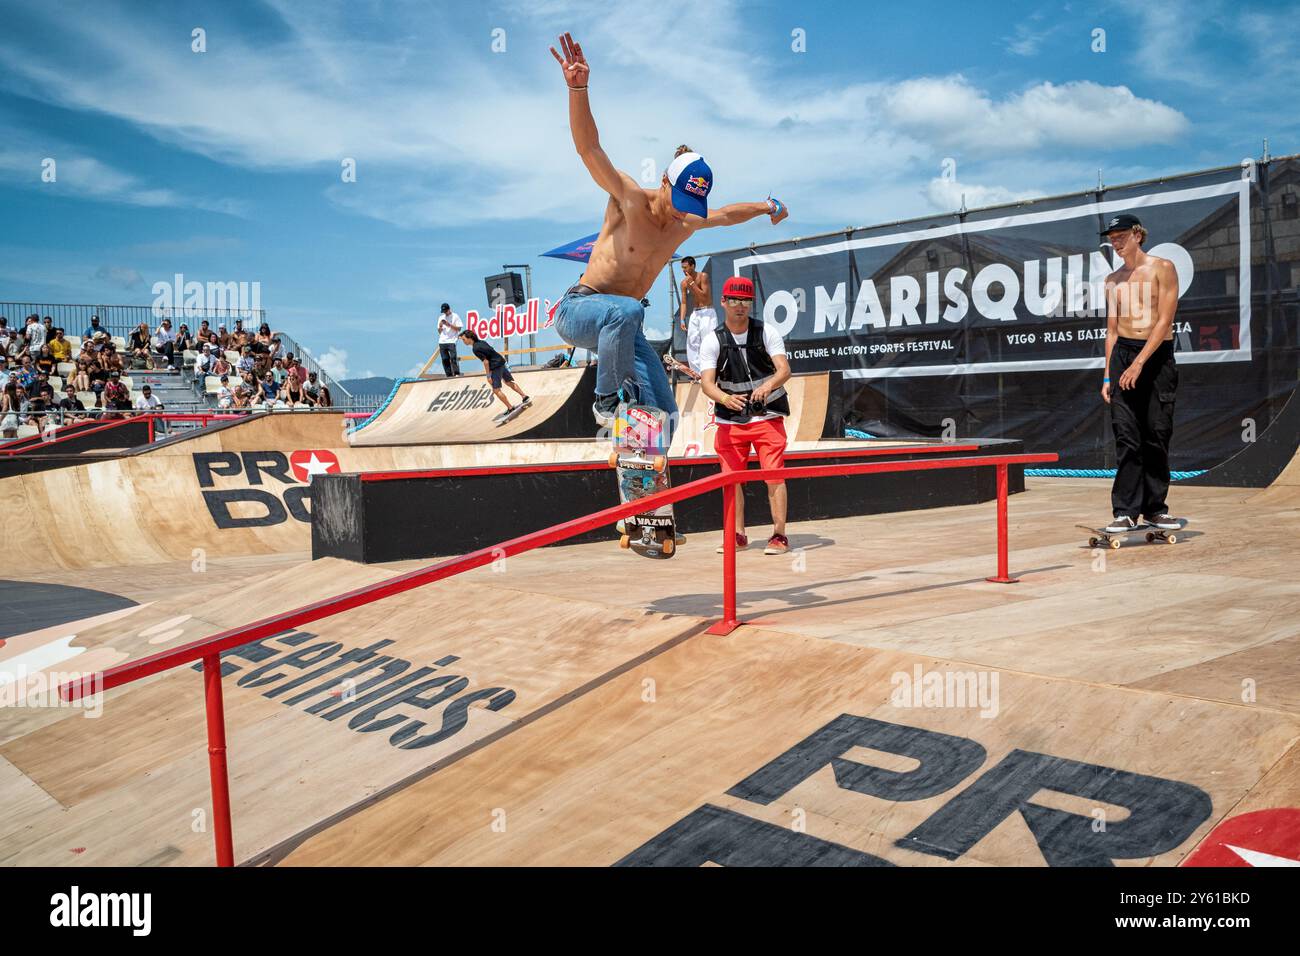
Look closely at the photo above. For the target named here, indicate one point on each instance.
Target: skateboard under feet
(1101, 537)
(640, 459)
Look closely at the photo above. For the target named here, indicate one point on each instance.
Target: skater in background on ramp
(494, 366)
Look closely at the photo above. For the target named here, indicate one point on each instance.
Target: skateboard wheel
(625, 542)
(613, 459)
(669, 546)
(1114, 544)
(660, 463)
(1172, 538)
(1150, 537)
(1093, 542)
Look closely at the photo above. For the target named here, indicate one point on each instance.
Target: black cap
(446, 307)
(1120, 221)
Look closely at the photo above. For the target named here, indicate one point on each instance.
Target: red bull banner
(507, 320)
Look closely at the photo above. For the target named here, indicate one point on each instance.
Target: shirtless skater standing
(1141, 298)
(641, 230)
(703, 320)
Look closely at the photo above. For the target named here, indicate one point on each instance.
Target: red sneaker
(742, 542)
(777, 544)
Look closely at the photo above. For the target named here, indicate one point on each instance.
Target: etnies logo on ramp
(467, 398)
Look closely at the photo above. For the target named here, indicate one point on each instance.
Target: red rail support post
(1004, 573)
(728, 622)
(222, 831)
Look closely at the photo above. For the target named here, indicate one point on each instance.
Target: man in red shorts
(745, 370)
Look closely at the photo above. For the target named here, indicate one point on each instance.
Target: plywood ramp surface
(128, 787)
(605, 776)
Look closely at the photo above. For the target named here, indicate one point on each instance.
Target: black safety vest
(742, 368)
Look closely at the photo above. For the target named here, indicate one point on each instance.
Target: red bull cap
(691, 180)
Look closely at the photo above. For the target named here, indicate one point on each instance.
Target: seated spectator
(318, 392)
(246, 361)
(147, 401)
(223, 337)
(94, 328)
(243, 396)
(117, 398)
(41, 383)
(291, 391)
(6, 333)
(16, 349)
(72, 407)
(32, 407)
(184, 341)
(138, 346)
(99, 370)
(81, 376)
(220, 366)
(45, 361)
(164, 340)
(113, 359)
(225, 397)
(27, 373)
(203, 365)
(269, 390)
(10, 405)
(277, 370)
(60, 347)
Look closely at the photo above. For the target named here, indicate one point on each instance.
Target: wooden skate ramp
(424, 411)
(892, 706)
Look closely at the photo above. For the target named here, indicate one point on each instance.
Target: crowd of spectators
(37, 360)
(262, 375)
(37, 354)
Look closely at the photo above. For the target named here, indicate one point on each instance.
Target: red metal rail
(209, 649)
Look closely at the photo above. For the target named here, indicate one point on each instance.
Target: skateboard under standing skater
(640, 460)
(1113, 539)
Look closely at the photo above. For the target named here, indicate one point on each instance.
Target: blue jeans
(610, 325)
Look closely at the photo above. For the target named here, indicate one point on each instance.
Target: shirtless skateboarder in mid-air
(641, 231)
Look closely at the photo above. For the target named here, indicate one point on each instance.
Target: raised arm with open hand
(574, 64)
(586, 139)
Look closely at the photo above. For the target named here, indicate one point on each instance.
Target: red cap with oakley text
(738, 287)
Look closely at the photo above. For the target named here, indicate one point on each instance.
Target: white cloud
(334, 361)
(952, 112)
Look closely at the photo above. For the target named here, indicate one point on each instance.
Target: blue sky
(225, 165)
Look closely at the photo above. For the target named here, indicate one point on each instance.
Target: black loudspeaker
(505, 289)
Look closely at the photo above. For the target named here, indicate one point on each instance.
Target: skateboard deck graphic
(640, 460)
(1101, 537)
